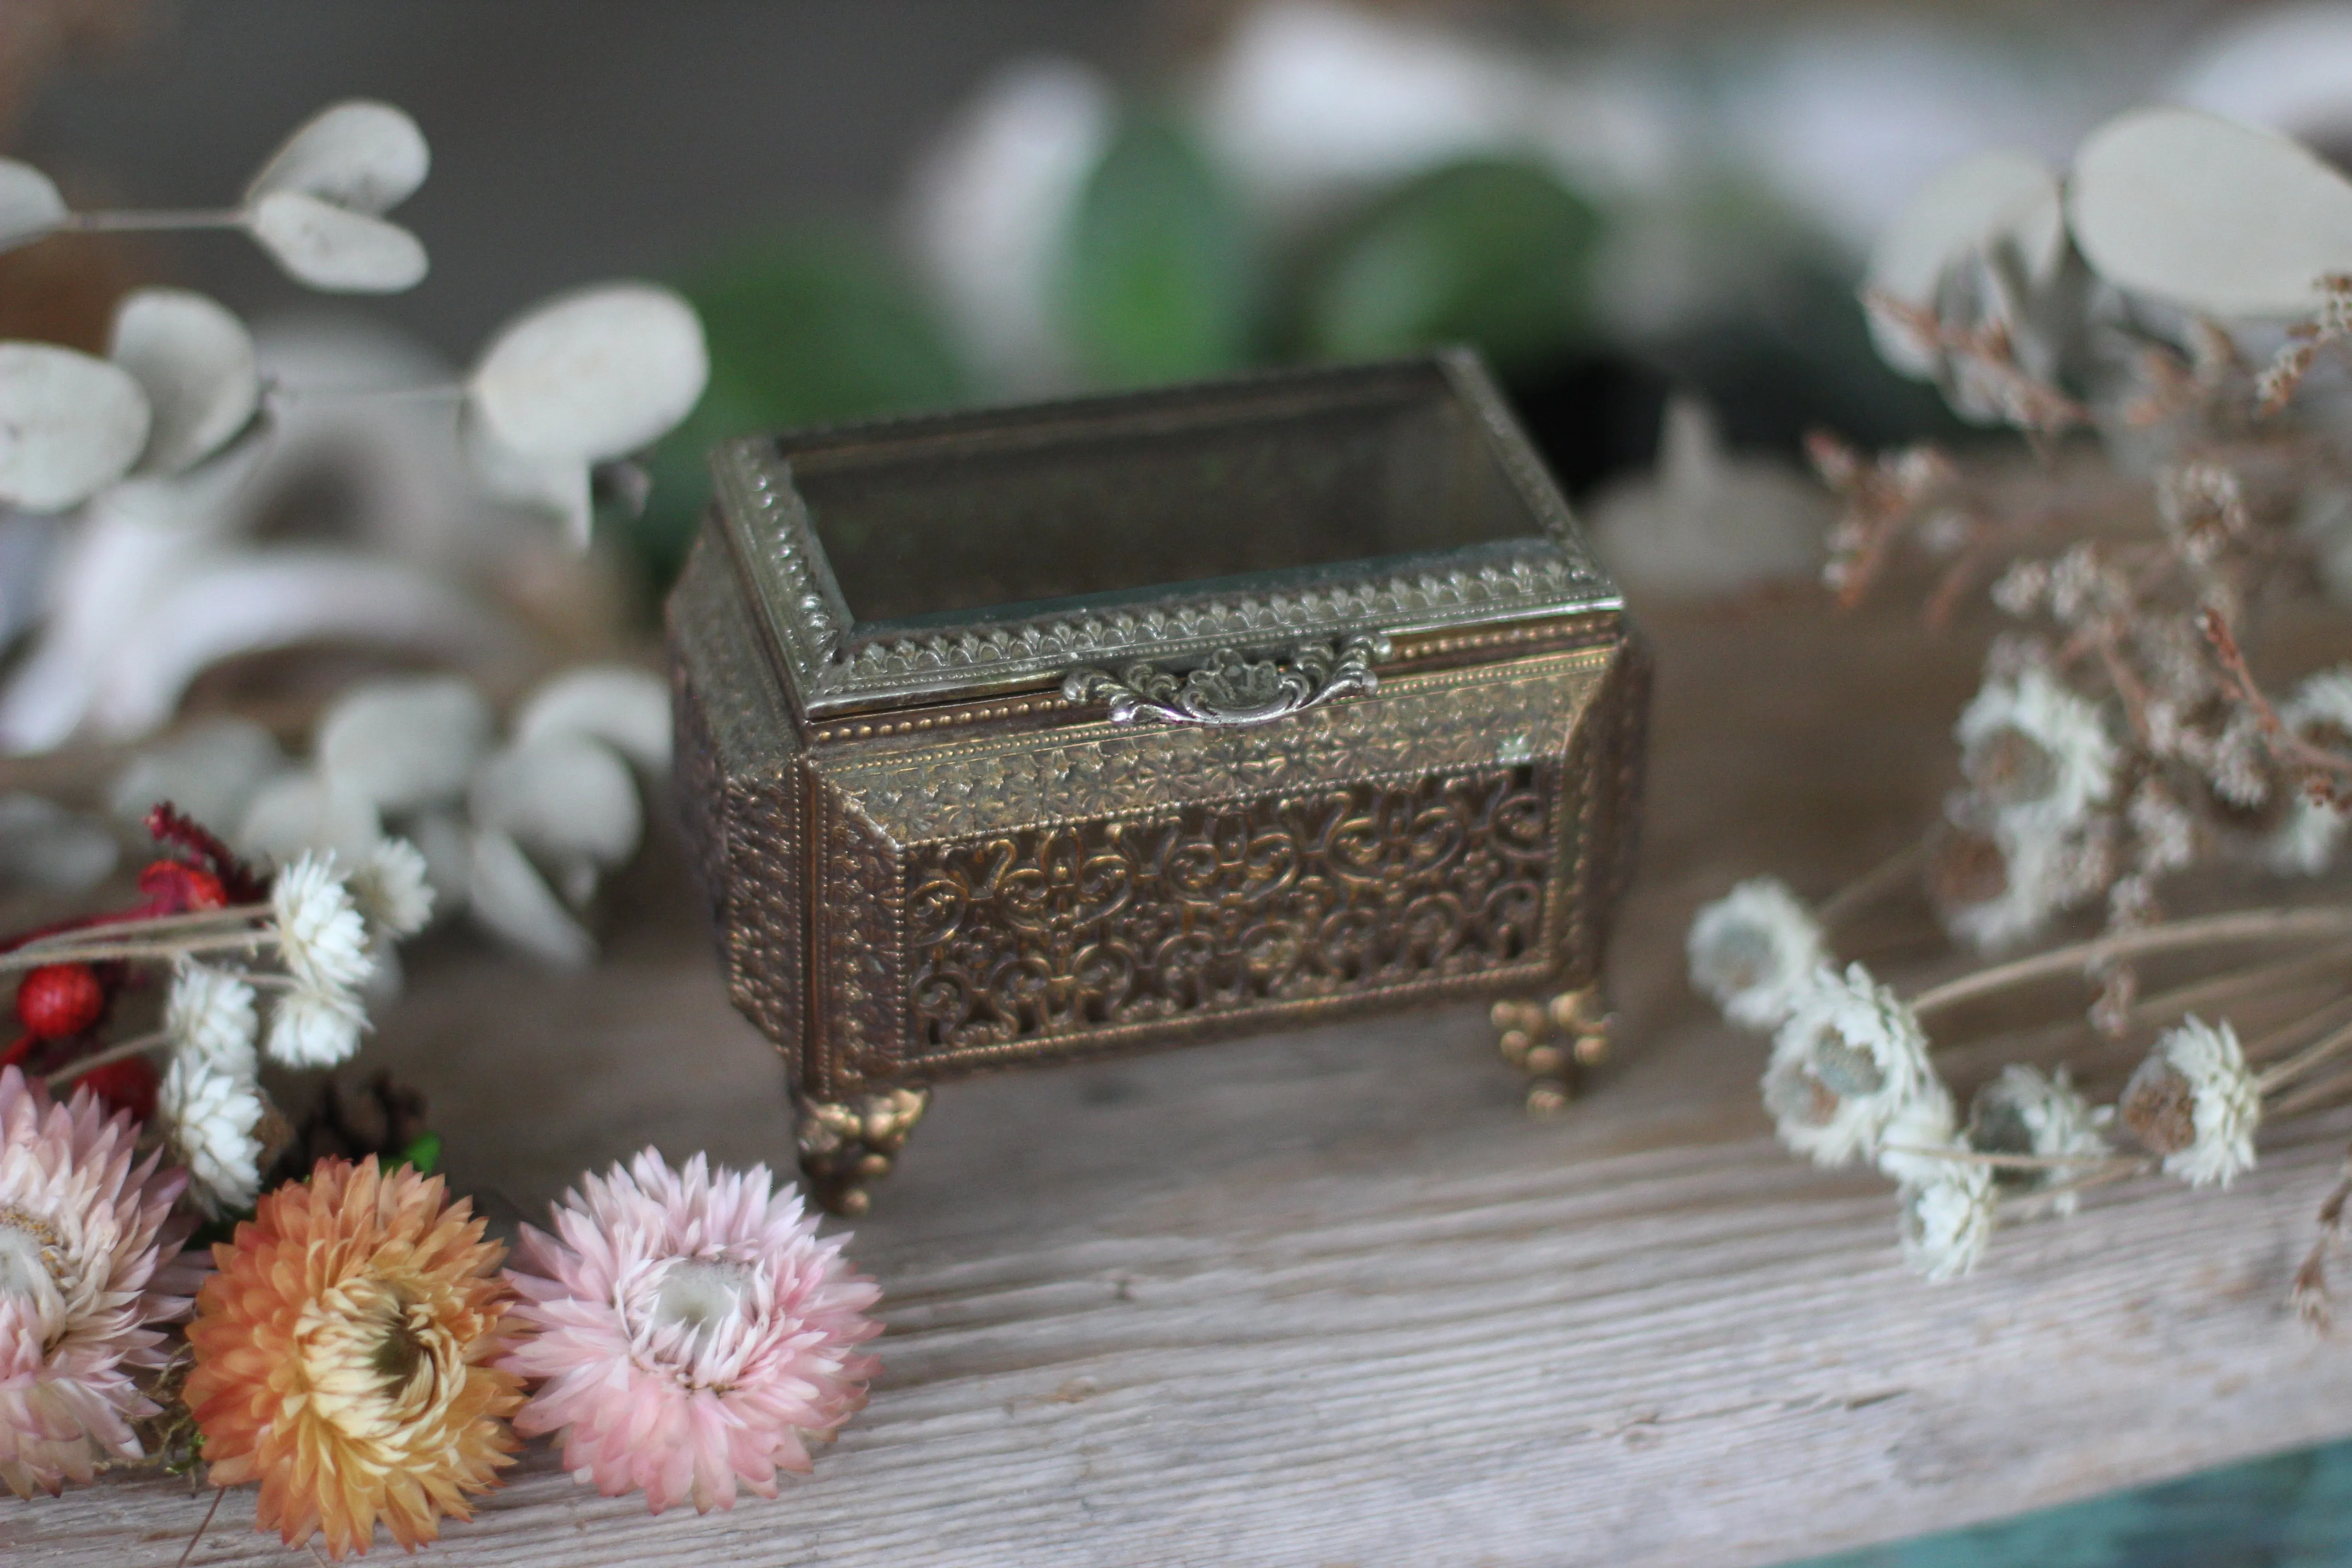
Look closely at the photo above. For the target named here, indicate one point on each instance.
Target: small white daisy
(1753, 950)
(1947, 1221)
(2022, 1112)
(312, 1028)
(320, 935)
(209, 1016)
(1914, 1136)
(2320, 712)
(211, 1117)
(1849, 1058)
(2195, 1102)
(2020, 878)
(2036, 754)
(391, 890)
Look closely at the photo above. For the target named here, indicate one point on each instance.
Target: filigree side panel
(1094, 931)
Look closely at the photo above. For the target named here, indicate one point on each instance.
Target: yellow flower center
(33, 1264)
(378, 1365)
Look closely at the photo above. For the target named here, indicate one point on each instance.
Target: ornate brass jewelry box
(1031, 733)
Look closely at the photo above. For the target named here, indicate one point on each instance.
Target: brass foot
(1552, 1042)
(847, 1143)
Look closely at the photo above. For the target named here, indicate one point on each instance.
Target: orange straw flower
(342, 1358)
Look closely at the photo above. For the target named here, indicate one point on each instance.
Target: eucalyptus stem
(162, 218)
(122, 1051)
(2243, 925)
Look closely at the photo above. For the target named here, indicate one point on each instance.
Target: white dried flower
(1911, 1147)
(211, 1116)
(2319, 712)
(1753, 950)
(2203, 506)
(1848, 1059)
(2035, 753)
(2022, 1112)
(1947, 1221)
(320, 935)
(314, 1029)
(1995, 891)
(2195, 1102)
(391, 889)
(210, 1018)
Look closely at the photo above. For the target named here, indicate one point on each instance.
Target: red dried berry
(172, 887)
(126, 1085)
(58, 1001)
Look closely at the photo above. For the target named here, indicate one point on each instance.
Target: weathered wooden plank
(1331, 1297)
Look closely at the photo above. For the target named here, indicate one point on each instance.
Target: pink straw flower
(692, 1333)
(89, 1262)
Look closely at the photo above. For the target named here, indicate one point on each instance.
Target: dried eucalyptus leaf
(330, 247)
(405, 744)
(29, 205)
(506, 895)
(593, 374)
(361, 155)
(212, 771)
(309, 810)
(2208, 215)
(563, 798)
(562, 486)
(196, 363)
(44, 846)
(2002, 199)
(70, 426)
(628, 709)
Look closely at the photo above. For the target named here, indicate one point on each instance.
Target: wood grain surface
(1332, 1297)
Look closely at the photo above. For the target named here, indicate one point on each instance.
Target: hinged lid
(910, 561)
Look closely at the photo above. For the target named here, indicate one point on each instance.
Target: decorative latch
(1234, 690)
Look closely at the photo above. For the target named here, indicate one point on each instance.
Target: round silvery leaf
(196, 363)
(70, 426)
(329, 248)
(29, 205)
(212, 771)
(591, 374)
(308, 810)
(359, 155)
(1998, 199)
(626, 708)
(506, 895)
(405, 743)
(561, 486)
(2209, 216)
(564, 798)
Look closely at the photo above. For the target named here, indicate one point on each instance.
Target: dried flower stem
(2125, 1170)
(148, 925)
(2295, 1067)
(121, 1051)
(2242, 925)
(2015, 1161)
(24, 958)
(125, 222)
(2312, 1097)
(1873, 885)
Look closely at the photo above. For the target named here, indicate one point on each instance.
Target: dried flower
(1917, 1137)
(1996, 891)
(2320, 714)
(342, 1358)
(1753, 949)
(311, 1028)
(1947, 1221)
(88, 1264)
(2035, 753)
(2022, 1112)
(1849, 1057)
(391, 890)
(209, 1017)
(694, 1335)
(2195, 1102)
(209, 1114)
(320, 935)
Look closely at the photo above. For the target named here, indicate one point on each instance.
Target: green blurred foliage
(803, 328)
(1160, 278)
(1495, 252)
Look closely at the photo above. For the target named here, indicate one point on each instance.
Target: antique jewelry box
(1026, 734)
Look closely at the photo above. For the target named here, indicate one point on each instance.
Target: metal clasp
(1232, 689)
